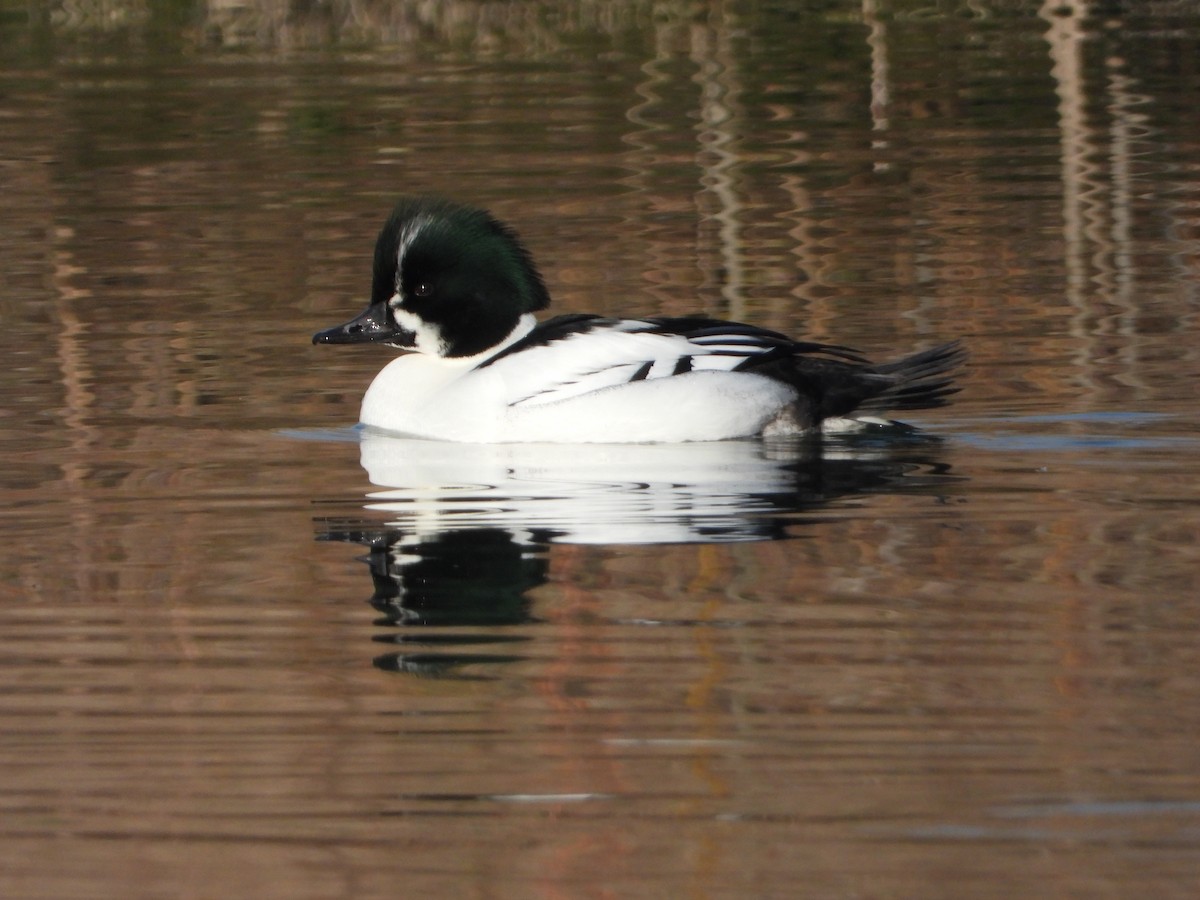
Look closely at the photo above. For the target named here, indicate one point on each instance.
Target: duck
(457, 291)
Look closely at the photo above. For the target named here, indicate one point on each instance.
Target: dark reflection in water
(458, 536)
(468, 577)
(451, 578)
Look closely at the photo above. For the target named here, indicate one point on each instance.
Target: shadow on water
(459, 534)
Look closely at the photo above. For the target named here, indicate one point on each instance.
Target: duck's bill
(372, 326)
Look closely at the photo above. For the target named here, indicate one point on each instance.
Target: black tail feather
(921, 381)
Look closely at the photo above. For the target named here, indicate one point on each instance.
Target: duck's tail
(922, 381)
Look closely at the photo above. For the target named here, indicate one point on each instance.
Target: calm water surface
(249, 650)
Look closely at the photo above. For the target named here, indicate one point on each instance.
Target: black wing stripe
(551, 331)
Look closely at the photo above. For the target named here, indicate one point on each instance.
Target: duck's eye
(422, 289)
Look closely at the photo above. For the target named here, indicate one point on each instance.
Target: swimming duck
(458, 287)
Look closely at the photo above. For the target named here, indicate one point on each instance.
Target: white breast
(427, 396)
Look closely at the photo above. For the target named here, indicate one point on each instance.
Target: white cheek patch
(428, 338)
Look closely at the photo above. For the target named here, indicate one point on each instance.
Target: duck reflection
(459, 534)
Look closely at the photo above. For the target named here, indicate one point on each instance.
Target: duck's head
(448, 280)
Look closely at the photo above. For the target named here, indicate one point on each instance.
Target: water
(249, 650)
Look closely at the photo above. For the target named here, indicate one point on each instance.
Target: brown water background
(960, 667)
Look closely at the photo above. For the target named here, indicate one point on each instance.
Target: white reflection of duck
(612, 493)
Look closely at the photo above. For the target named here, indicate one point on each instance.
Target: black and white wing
(572, 355)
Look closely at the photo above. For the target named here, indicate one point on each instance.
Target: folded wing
(572, 355)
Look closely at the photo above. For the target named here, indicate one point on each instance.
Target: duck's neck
(524, 325)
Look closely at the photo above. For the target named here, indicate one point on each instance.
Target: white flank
(575, 390)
